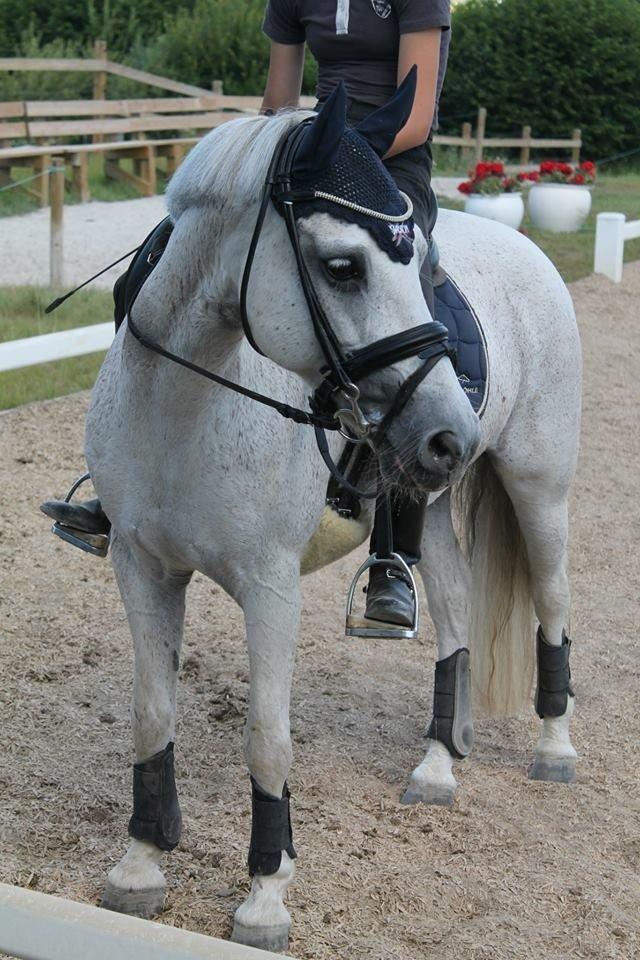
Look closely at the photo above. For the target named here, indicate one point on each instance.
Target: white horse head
(366, 294)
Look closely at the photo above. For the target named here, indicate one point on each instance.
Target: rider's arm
(284, 80)
(423, 49)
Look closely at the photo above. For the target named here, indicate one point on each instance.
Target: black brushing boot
(390, 598)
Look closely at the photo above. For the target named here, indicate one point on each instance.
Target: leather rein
(428, 341)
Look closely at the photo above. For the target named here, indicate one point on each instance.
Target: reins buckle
(354, 426)
(359, 626)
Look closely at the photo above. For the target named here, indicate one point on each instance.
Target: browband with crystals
(389, 218)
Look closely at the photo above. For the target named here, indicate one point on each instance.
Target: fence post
(56, 245)
(525, 150)
(466, 153)
(609, 250)
(100, 76)
(575, 151)
(480, 132)
(217, 86)
(99, 80)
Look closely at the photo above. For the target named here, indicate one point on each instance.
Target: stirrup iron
(95, 543)
(360, 626)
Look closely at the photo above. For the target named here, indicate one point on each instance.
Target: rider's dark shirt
(357, 40)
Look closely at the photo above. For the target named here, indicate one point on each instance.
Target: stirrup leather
(95, 543)
(360, 626)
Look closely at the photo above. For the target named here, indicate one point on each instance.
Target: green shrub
(218, 40)
(25, 85)
(555, 66)
(121, 23)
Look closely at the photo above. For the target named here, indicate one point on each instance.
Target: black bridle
(342, 371)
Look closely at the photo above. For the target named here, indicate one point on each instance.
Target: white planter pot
(559, 207)
(506, 208)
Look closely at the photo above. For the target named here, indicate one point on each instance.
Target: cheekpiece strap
(554, 677)
(156, 811)
(270, 831)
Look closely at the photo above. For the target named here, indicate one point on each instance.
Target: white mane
(228, 167)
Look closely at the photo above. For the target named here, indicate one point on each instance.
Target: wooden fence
(471, 144)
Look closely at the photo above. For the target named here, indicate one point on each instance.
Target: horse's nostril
(445, 447)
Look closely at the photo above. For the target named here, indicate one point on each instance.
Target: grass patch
(17, 201)
(22, 315)
(572, 253)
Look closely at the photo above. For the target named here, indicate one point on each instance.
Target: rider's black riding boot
(389, 595)
(87, 516)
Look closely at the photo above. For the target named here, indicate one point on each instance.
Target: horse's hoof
(274, 939)
(553, 769)
(435, 794)
(135, 903)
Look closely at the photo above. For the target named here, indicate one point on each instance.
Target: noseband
(335, 403)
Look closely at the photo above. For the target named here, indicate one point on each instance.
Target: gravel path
(94, 234)
(514, 871)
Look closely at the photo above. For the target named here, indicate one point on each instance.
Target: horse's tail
(501, 611)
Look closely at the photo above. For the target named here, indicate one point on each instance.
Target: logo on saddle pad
(382, 8)
(465, 383)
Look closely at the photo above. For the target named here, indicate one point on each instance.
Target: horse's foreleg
(154, 601)
(272, 613)
(446, 578)
(543, 520)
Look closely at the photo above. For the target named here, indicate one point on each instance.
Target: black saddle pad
(128, 286)
(452, 309)
(467, 337)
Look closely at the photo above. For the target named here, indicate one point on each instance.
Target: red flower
(588, 166)
(465, 187)
(490, 169)
(578, 179)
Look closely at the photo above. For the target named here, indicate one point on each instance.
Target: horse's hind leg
(542, 510)
(154, 601)
(446, 577)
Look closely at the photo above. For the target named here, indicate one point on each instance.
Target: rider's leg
(389, 595)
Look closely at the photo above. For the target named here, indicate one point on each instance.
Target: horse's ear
(379, 129)
(319, 144)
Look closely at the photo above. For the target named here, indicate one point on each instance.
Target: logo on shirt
(382, 8)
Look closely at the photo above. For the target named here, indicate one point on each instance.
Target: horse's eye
(342, 268)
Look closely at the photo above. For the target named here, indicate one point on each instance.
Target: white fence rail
(55, 346)
(612, 230)
(36, 926)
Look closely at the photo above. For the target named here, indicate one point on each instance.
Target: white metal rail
(36, 926)
(55, 346)
(612, 230)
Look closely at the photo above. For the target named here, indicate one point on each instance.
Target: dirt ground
(514, 870)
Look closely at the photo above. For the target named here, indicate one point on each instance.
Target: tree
(552, 65)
